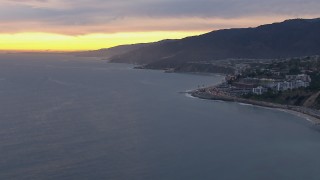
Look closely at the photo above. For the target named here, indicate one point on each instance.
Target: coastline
(306, 113)
(310, 115)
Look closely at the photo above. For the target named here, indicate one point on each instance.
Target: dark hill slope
(291, 38)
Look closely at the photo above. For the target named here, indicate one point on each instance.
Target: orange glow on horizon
(72, 38)
(38, 41)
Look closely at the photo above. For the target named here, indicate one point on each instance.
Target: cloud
(91, 16)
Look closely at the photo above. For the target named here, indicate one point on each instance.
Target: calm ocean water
(62, 118)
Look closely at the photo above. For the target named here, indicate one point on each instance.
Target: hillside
(110, 52)
(291, 38)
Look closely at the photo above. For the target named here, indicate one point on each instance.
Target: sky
(72, 25)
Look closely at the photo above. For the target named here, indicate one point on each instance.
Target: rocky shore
(310, 114)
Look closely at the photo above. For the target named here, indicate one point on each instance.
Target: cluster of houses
(260, 86)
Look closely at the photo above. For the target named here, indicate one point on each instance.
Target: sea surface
(66, 117)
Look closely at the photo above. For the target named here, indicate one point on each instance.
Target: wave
(244, 104)
(189, 96)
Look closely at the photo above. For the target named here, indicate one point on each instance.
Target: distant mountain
(116, 51)
(110, 52)
(291, 38)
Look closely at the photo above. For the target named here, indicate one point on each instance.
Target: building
(299, 84)
(284, 86)
(259, 90)
(289, 85)
(301, 77)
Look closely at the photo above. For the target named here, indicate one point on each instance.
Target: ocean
(64, 117)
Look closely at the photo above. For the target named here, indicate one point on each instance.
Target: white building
(288, 85)
(284, 86)
(301, 77)
(259, 90)
(299, 83)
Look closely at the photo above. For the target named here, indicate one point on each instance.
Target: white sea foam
(189, 96)
(244, 104)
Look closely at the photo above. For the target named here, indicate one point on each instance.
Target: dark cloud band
(99, 13)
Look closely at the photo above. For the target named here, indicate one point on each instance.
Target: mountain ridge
(290, 38)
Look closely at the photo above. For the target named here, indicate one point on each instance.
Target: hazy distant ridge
(110, 52)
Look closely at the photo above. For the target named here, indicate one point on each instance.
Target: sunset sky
(61, 25)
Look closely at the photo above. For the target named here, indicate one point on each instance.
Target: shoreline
(310, 115)
(306, 113)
